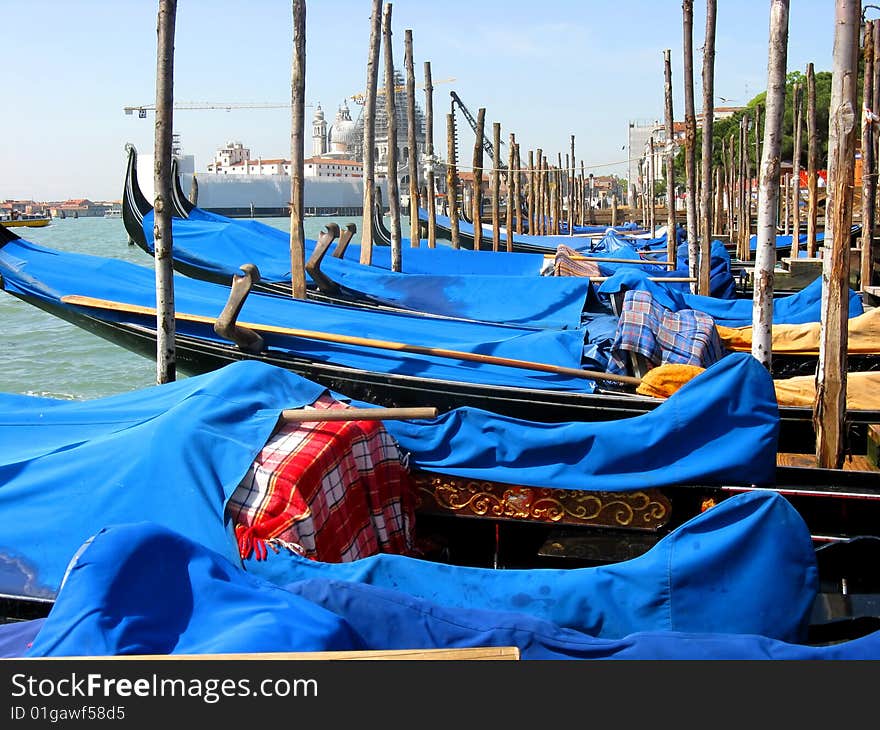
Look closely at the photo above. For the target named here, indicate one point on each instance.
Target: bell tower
(319, 132)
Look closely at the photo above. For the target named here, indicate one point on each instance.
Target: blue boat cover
(220, 245)
(738, 581)
(37, 271)
(798, 308)
(173, 454)
(733, 401)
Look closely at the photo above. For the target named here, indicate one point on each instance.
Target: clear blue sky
(543, 70)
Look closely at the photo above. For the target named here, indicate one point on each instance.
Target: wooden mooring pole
(166, 365)
(797, 116)
(430, 203)
(452, 181)
(669, 156)
(830, 407)
(768, 186)
(391, 157)
(496, 186)
(708, 117)
(370, 134)
(412, 145)
(869, 179)
(812, 164)
(477, 194)
(690, 139)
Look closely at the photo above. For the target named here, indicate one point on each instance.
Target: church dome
(343, 130)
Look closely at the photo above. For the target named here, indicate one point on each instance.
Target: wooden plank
(850, 463)
(481, 653)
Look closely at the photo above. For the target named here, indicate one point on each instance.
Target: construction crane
(487, 143)
(228, 106)
(362, 97)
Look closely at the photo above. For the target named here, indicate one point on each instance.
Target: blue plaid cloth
(685, 337)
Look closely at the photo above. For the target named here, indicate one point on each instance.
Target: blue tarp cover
(47, 274)
(220, 245)
(173, 454)
(738, 581)
(798, 308)
(733, 402)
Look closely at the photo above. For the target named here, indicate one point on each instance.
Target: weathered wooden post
(452, 181)
(496, 186)
(669, 129)
(784, 202)
(477, 195)
(539, 194)
(768, 186)
(830, 407)
(718, 207)
(796, 174)
(370, 134)
(297, 151)
(517, 195)
(571, 186)
(614, 210)
(651, 187)
(166, 365)
(512, 173)
(391, 157)
(194, 190)
(582, 195)
(430, 203)
(531, 194)
(412, 144)
(690, 139)
(869, 180)
(745, 216)
(812, 164)
(708, 117)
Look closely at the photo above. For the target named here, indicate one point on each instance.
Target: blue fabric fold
(733, 402)
(736, 581)
(798, 308)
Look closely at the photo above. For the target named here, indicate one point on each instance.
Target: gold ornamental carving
(645, 509)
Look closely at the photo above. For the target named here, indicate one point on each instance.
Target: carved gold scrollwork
(641, 510)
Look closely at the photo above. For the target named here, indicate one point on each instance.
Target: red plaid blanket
(332, 491)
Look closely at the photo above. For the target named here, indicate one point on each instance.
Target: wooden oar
(84, 301)
(302, 415)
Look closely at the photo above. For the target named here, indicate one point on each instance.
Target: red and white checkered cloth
(332, 491)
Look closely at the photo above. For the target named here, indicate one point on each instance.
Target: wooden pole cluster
(570, 176)
(391, 156)
(768, 189)
(370, 133)
(412, 145)
(166, 21)
(430, 203)
(830, 406)
(690, 139)
(708, 117)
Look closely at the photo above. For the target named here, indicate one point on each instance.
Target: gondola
(115, 299)
(213, 248)
(165, 469)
